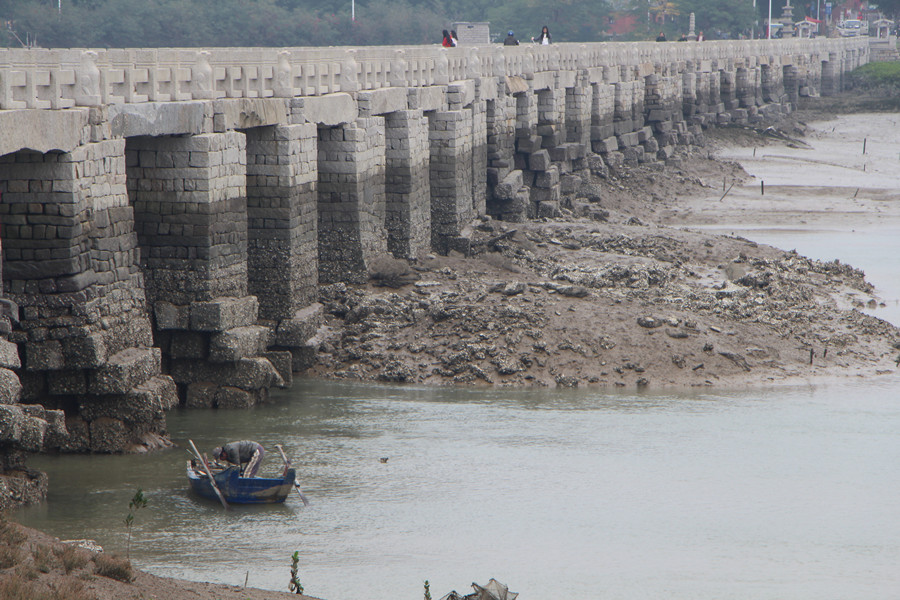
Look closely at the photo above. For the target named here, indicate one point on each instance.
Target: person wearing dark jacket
(510, 39)
(661, 37)
(241, 453)
(544, 38)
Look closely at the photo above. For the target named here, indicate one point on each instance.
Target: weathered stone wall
(70, 260)
(407, 184)
(351, 199)
(282, 180)
(451, 175)
(191, 216)
(190, 204)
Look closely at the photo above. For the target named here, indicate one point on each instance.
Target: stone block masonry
(282, 186)
(70, 255)
(191, 217)
(452, 205)
(190, 203)
(211, 208)
(351, 199)
(407, 184)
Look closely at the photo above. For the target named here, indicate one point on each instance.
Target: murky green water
(787, 493)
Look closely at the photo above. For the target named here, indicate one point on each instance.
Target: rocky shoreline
(35, 566)
(608, 294)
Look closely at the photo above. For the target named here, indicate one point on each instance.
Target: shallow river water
(788, 492)
(781, 493)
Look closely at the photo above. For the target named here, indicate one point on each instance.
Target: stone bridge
(168, 215)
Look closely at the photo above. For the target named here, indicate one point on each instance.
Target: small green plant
(138, 502)
(295, 585)
(427, 590)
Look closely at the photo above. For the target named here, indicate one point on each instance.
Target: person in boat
(241, 453)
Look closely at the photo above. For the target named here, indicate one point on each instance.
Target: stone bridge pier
(70, 263)
(169, 215)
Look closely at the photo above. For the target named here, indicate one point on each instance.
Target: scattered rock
(648, 322)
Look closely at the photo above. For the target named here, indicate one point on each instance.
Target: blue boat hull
(242, 490)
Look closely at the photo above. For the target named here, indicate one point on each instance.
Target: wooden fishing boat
(241, 490)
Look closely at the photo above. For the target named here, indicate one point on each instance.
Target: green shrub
(71, 557)
(43, 558)
(114, 568)
(9, 557)
(11, 534)
(876, 75)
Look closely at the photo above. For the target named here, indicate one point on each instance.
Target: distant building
(621, 24)
(473, 34)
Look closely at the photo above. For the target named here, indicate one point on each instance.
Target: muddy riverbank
(624, 289)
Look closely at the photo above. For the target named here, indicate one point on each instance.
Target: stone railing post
(349, 80)
(284, 76)
(202, 77)
(499, 65)
(473, 64)
(87, 80)
(399, 66)
(442, 68)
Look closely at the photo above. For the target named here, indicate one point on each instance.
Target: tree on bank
(889, 8)
(724, 18)
(275, 23)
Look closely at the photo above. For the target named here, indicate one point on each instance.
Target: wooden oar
(287, 465)
(212, 480)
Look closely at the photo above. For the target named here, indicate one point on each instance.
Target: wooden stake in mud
(209, 474)
(864, 144)
(762, 188)
(726, 191)
(287, 465)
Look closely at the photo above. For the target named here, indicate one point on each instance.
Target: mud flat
(839, 174)
(632, 287)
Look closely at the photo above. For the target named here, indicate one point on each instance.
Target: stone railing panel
(55, 79)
